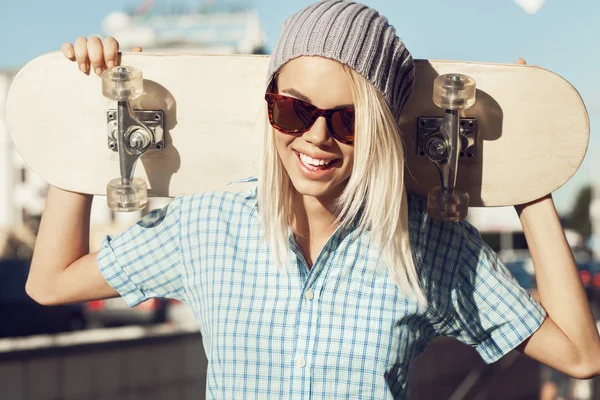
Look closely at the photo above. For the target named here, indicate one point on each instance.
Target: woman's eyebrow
(299, 95)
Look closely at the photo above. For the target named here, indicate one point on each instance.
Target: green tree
(579, 218)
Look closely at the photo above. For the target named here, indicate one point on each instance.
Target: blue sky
(559, 37)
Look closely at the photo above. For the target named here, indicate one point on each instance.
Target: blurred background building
(206, 27)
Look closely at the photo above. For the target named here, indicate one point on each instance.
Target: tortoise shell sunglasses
(294, 116)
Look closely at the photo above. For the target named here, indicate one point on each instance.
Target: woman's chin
(316, 189)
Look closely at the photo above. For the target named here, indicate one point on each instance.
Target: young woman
(329, 279)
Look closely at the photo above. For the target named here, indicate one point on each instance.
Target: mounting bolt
(437, 147)
(139, 139)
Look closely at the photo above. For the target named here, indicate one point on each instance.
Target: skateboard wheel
(125, 197)
(447, 206)
(454, 91)
(122, 83)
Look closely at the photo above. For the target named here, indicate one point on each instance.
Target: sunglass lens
(343, 124)
(291, 114)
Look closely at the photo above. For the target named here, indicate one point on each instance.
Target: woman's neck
(313, 223)
(312, 216)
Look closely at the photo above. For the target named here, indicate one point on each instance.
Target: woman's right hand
(94, 54)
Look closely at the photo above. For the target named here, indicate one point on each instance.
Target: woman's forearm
(559, 285)
(63, 236)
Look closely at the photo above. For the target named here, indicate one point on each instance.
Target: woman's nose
(318, 134)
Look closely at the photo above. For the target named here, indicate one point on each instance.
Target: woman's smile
(316, 167)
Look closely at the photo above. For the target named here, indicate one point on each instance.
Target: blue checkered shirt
(338, 330)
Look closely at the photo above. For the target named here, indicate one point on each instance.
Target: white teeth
(312, 161)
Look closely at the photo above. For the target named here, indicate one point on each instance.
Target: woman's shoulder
(423, 226)
(449, 253)
(439, 244)
(218, 203)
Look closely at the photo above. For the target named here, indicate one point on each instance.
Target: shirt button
(300, 362)
(309, 294)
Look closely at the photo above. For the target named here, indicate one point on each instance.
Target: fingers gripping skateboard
(452, 92)
(130, 133)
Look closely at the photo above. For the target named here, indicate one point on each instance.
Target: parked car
(181, 314)
(523, 272)
(22, 316)
(589, 271)
(116, 312)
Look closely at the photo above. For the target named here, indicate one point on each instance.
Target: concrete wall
(146, 364)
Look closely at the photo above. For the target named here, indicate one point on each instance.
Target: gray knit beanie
(352, 34)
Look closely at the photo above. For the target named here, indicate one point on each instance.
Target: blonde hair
(376, 183)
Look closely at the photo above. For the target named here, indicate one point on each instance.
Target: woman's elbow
(39, 293)
(586, 369)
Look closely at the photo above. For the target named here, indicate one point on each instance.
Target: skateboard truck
(452, 92)
(130, 133)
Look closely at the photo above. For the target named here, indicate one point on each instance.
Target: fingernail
(110, 64)
(83, 67)
(98, 71)
(70, 54)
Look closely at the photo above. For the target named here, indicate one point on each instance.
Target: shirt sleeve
(471, 294)
(144, 261)
(487, 308)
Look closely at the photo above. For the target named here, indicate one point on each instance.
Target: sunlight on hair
(377, 184)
